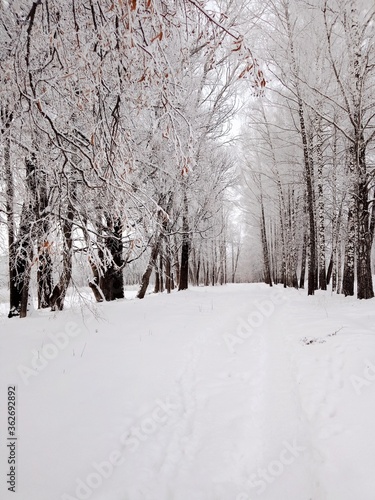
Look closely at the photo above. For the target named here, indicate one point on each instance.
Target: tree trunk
(112, 280)
(307, 163)
(348, 274)
(176, 263)
(303, 261)
(168, 281)
(207, 275)
(322, 258)
(292, 261)
(157, 279)
(156, 249)
(197, 275)
(364, 276)
(282, 236)
(151, 264)
(59, 292)
(310, 205)
(184, 269)
(161, 266)
(13, 288)
(266, 258)
(185, 248)
(339, 268)
(22, 250)
(329, 270)
(23, 261)
(364, 242)
(94, 282)
(44, 275)
(45, 269)
(336, 218)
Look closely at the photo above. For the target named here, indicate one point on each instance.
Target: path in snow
(240, 433)
(240, 392)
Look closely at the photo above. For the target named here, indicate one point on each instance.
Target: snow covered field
(239, 392)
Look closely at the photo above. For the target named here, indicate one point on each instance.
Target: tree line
(113, 126)
(310, 146)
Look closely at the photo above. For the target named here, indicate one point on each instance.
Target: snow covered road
(240, 392)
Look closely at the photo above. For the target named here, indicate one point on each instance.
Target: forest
(189, 142)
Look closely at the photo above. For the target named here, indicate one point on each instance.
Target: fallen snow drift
(228, 393)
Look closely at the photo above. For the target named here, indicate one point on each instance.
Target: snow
(238, 392)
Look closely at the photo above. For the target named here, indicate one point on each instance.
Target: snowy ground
(240, 392)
